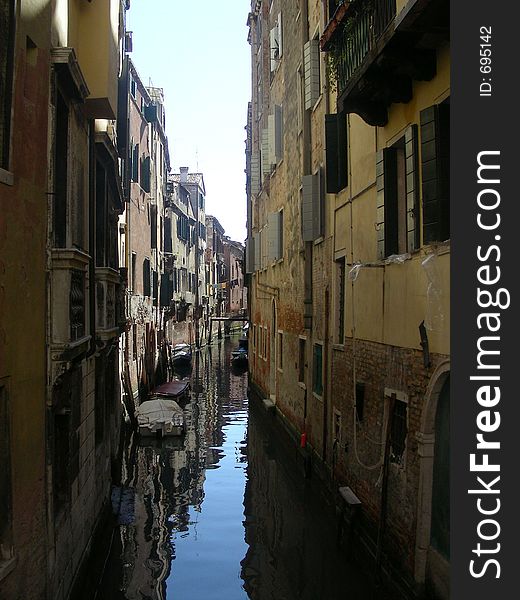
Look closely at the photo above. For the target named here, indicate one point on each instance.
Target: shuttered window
(146, 277)
(153, 226)
(312, 207)
(145, 174)
(336, 152)
(397, 196)
(311, 72)
(275, 236)
(435, 164)
(135, 163)
(275, 136)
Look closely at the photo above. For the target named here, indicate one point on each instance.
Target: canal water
(224, 514)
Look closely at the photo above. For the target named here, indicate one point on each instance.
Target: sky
(199, 54)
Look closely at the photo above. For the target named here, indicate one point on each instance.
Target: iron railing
(363, 25)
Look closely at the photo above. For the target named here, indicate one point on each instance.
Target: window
(317, 370)
(435, 168)
(360, 401)
(134, 259)
(311, 72)
(265, 343)
(61, 154)
(276, 43)
(280, 350)
(396, 171)
(301, 360)
(135, 163)
(336, 152)
(6, 77)
(398, 431)
(312, 207)
(254, 339)
(340, 269)
(5, 479)
(146, 277)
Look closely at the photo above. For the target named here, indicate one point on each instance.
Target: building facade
(61, 194)
(348, 257)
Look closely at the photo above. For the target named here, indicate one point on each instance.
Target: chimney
(184, 174)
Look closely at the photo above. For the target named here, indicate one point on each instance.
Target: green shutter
(412, 188)
(435, 173)
(387, 216)
(331, 149)
(336, 152)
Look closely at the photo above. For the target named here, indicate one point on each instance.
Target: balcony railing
(362, 26)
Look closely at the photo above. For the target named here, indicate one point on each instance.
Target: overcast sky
(198, 53)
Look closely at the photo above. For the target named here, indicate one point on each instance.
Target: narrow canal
(225, 514)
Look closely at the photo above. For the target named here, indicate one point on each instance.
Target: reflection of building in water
(169, 478)
(290, 528)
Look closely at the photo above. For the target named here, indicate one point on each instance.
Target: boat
(160, 417)
(181, 355)
(239, 358)
(176, 389)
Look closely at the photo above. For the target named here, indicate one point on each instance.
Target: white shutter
(255, 173)
(311, 208)
(273, 236)
(250, 255)
(280, 38)
(278, 132)
(311, 71)
(257, 252)
(266, 165)
(271, 141)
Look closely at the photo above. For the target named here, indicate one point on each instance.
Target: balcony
(69, 306)
(376, 52)
(108, 282)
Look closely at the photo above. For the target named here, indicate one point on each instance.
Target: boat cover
(171, 388)
(158, 411)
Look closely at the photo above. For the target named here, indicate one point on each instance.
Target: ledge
(66, 65)
(69, 258)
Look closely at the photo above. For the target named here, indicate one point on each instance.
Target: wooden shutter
(412, 188)
(336, 152)
(386, 219)
(311, 72)
(273, 48)
(332, 155)
(256, 251)
(153, 226)
(145, 174)
(271, 134)
(279, 36)
(250, 255)
(135, 163)
(255, 173)
(435, 173)
(278, 132)
(266, 167)
(311, 207)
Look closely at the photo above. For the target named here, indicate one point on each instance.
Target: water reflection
(183, 537)
(224, 514)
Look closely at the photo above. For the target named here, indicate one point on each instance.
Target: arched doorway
(433, 514)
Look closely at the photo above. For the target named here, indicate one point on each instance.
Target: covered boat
(160, 417)
(181, 355)
(177, 390)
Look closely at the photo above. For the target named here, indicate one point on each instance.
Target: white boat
(160, 417)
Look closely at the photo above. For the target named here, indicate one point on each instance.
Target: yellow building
(348, 251)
